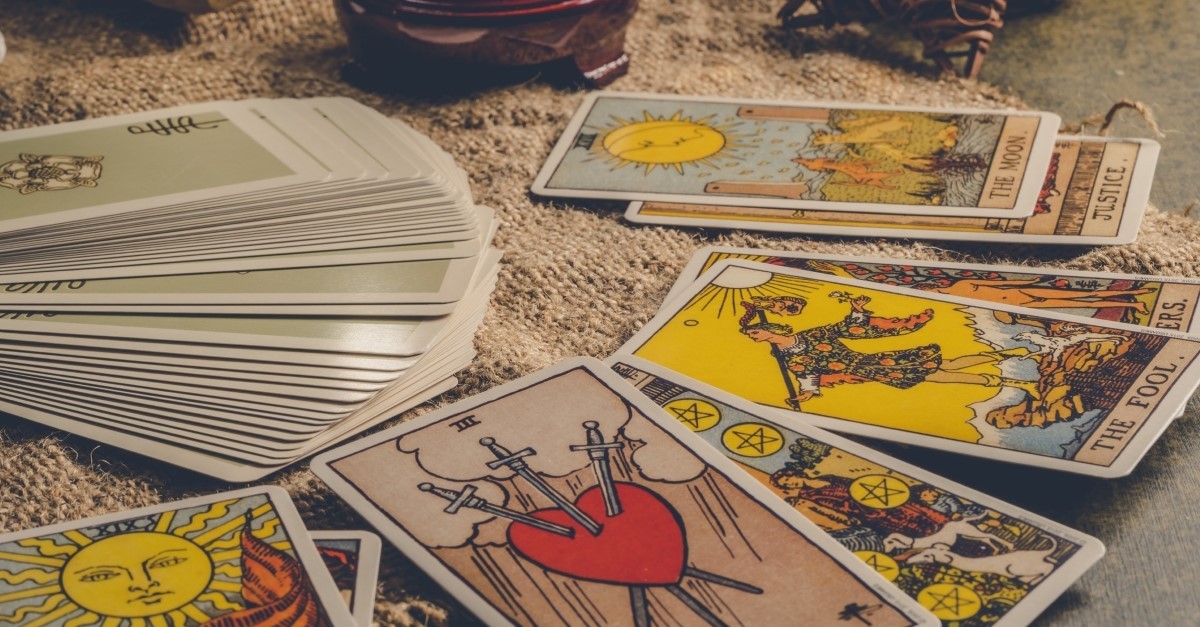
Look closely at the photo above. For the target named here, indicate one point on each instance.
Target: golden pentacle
(136, 575)
(752, 439)
(879, 491)
(950, 601)
(881, 562)
(667, 143)
(694, 413)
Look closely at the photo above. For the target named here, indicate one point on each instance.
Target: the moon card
(795, 155)
(568, 497)
(236, 558)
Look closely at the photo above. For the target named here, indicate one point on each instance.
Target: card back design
(978, 378)
(562, 501)
(36, 173)
(967, 558)
(219, 563)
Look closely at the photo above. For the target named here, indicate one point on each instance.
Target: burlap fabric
(576, 279)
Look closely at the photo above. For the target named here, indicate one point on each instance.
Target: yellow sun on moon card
(668, 142)
(220, 563)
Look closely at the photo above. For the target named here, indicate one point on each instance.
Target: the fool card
(567, 496)
(1021, 385)
(843, 157)
(968, 558)
(238, 558)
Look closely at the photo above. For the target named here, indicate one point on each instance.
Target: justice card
(238, 558)
(968, 558)
(1094, 193)
(568, 497)
(829, 156)
(1008, 383)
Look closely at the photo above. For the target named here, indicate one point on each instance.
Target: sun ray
(87, 618)
(30, 593)
(111, 621)
(267, 530)
(164, 521)
(48, 547)
(27, 575)
(213, 534)
(226, 586)
(77, 537)
(137, 622)
(191, 611)
(225, 556)
(46, 619)
(229, 570)
(219, 602)
(232, 542)
(158, 621)
(201, 519)
(282, 545)
(21, 612)
(177, 618)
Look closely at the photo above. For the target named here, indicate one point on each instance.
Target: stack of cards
(238, 558)
(234, 285)
(851, 169)
(1068, 370)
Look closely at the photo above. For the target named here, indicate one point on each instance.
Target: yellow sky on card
(703, 340)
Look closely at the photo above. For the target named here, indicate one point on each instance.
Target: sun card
(1095, 193)
(1008, 383)
(1158, 302)
(353, 560)
(968, 558)
(567, 496)
(236, 558)
(828, 156)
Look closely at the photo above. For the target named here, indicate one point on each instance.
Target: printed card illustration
(842, 157)
(223, 561)
(1167, 303)
(1094, 192)
(352, 558)
(1021, 385)
(968, 558)
(557, 498)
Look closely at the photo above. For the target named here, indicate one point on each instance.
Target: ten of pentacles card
(225, 560)
(1014, 384)
(832, 156)
(968, 558)
(568, 497)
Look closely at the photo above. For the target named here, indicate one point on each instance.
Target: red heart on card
(642, 546)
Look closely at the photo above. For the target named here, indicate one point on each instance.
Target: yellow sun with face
(177, 568)
(668, 142)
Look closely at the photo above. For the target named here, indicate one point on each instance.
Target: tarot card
(968, 558)
(566, 496)
(798, 156)
(1007, 383)
(1158, 302)
(236, 558)
(1101, 202)
(92, 168)
(353, 559)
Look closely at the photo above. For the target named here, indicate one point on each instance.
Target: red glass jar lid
(483, 8)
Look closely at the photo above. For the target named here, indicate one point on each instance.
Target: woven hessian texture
(576, 279)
